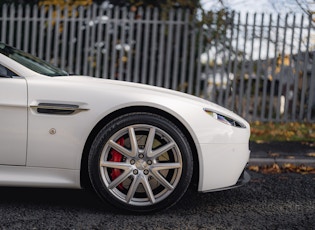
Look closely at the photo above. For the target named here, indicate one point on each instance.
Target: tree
(165, 4)
(307, 7)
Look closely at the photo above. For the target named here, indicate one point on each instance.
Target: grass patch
(292, 131)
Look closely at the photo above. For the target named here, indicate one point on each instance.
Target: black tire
(140, 162)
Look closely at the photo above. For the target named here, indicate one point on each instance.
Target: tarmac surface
(269, 201)
(268, 153)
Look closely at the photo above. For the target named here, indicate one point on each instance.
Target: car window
(5, 72)
(31, 62)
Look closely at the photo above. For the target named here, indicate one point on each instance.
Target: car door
(13, 118)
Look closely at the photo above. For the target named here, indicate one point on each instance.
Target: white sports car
(137, 146)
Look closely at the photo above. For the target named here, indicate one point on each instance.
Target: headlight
(224, 119)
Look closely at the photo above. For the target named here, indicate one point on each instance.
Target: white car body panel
(39, 177)
(13, 121)
(222, 150)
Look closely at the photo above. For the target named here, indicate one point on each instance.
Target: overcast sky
(261, 6)
(269, 7)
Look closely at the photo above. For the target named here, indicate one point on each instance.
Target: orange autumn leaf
(275, 168)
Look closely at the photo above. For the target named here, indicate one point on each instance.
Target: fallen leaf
(260, 141)
(273, 169)
(254, 168)
(274, 154)
(289, 165)
(289, 168)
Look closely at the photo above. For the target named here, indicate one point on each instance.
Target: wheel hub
(141, 164)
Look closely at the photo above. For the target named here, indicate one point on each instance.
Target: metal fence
(260, 66)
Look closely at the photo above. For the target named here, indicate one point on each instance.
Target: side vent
(57, 109)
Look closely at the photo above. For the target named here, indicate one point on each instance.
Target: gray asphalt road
(279, 201)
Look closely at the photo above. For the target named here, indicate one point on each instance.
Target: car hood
(136, 87)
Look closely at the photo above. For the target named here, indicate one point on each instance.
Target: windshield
(31, 62)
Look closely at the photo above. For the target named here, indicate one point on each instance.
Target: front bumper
(221, 165)
(244, 178)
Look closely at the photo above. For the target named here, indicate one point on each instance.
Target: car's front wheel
(140, 162)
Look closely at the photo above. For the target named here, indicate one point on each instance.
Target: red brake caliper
(116, 157)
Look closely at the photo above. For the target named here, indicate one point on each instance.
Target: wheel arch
(84, 177)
